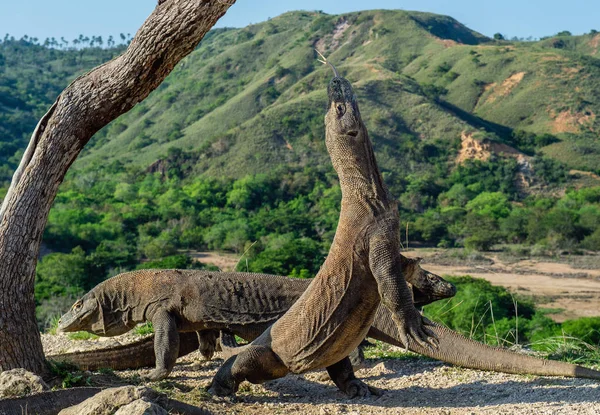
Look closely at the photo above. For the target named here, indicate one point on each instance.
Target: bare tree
(170, 33)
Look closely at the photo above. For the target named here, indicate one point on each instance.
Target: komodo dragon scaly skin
(362, 270)
(251, 302)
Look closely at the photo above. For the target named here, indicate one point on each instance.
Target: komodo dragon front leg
(166, 343)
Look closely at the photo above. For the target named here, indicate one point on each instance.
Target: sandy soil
(411, 386)
(225, 262)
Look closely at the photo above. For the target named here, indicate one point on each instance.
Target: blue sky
(523, 18)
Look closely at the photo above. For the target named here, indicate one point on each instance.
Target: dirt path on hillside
(225, 262)
(552, 284)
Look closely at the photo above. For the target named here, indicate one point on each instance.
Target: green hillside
(257, 95)
(252, 95)
(31, 77)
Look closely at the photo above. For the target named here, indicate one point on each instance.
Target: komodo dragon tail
(127, 356)
(458, 350)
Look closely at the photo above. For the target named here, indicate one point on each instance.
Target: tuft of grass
(570, 349)
(71, 376)
(144, 329)
(53, 326)
(82, 335)
(381, 350)
(106, 371)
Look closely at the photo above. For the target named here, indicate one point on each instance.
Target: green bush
(476, 306)
(584, 328)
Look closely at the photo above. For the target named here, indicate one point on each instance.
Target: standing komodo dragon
(189, 300)
(362, 270)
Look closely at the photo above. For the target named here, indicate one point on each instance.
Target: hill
(254, 95)
(31, 77)
(249, 95)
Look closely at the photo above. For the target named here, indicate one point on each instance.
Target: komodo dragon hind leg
(343, 376)
(256, 364)
(166, 344)
(357, 356)
(207, 343)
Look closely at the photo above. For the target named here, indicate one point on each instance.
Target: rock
(141, 407)
(19, 382)
(110, 400)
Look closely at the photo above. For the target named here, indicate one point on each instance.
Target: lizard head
(87, 314)
(426, 286)
(347, 140)
(342, 121)
(84, 314)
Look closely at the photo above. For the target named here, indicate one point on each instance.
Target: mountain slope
(256, 95)
(31, 77)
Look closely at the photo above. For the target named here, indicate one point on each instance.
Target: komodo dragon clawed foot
(359, 389)
(343, 376)
(158, 374)
(256, 364)
(208, 343)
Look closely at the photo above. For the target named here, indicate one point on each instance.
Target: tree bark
(170, 33)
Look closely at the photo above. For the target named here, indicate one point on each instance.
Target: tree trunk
(93, 100)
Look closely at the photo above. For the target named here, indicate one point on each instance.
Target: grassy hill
(255, 95)
(31, 77)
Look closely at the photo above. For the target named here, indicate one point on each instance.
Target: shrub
(584, 328)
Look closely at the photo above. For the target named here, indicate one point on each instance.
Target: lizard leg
(256, 364)
(166, 344)
(357, 356)
(343, 376)
(207, 340)
(386, 266)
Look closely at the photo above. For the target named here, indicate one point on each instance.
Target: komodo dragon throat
(244, 304)
(362, 270)
(427, 287)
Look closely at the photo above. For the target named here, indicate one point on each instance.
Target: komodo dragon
(427, 287)
(362, 269)
(244, 304)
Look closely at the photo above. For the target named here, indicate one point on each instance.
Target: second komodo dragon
(185, 301)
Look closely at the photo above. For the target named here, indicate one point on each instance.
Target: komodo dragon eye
(77, 306)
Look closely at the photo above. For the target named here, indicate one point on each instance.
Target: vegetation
(228, 153)
(494, 316)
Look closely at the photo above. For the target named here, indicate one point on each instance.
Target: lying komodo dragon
(188, 300)
(427, 287)
(362, 270)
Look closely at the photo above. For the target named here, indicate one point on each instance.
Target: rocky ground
(411, 385)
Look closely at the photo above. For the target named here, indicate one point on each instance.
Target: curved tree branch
(170, 33)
